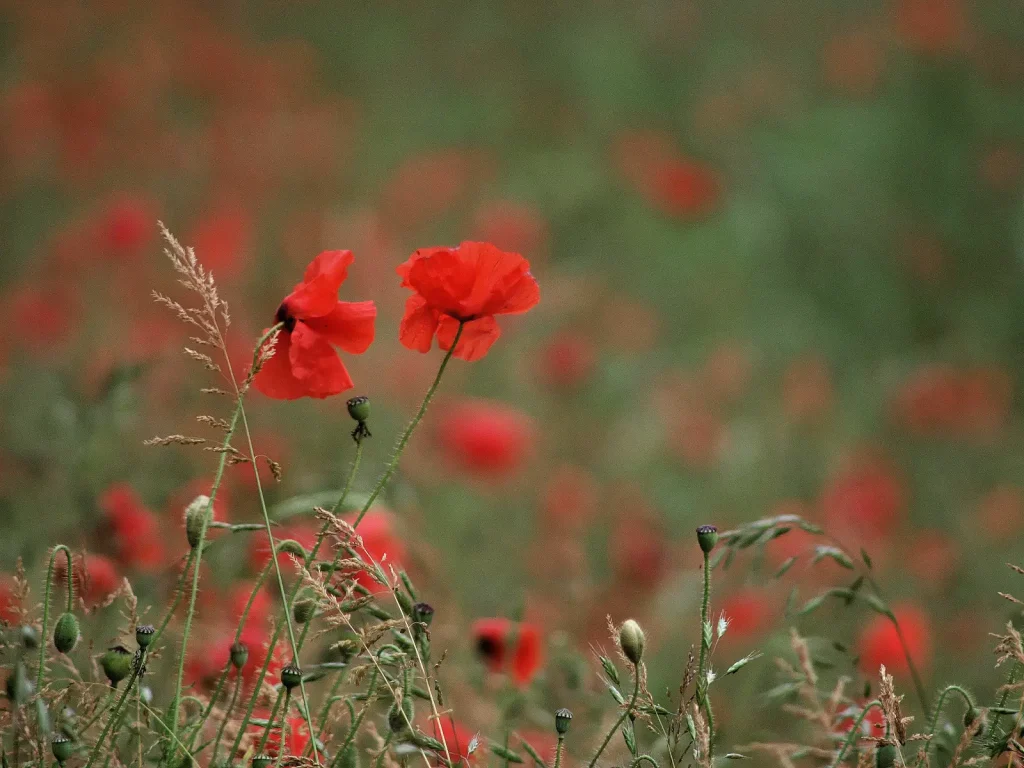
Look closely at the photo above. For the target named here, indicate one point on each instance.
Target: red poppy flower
(9, 603)
(457, 738)
(471, 283)
(872, 724)
(495, 639)
(304, 363)
(486, 438)
(380, 544)
(567, 360)
(866, 498)
(748, 612)
(136, 530)
(95, 577)
(880, 644)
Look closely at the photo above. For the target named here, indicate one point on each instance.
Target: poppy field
(488, 384)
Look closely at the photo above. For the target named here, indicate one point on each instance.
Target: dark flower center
(283, 316)
(488, 647)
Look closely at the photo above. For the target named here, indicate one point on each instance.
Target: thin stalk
(270, 723)
(641, 758)
(43, 640)
(852, 736)
(622, 717)
(703, 699)
(559, 750)
(934, 724)
(387, 743)
(179, 592)
(404, 439)
(114, 715)
(227, 716)
(1010, 679)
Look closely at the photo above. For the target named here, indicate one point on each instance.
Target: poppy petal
(477, 336)
(275, 378)
(444, 278)
(349, 325)
(315, 363)
(317, 294)
(418, 325)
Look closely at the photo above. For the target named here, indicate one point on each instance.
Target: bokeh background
(779, 247)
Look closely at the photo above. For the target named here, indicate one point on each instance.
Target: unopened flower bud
(65, 632)
(29, 637)
(239, 654)
(61, 747)
(885, 755)
(399, 717)
(970, 717)
(563, 719)
(423, 613)
(632, 640)
(195, 516)
(291, 547)
(116, 663)
(707, 537)
(144, 634)
(291, 676)
(304, 610)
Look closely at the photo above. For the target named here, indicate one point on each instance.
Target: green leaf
(865, 557)
(786, 565)
(506, 754)
(629, 736)
(610, 670)
(823, 551)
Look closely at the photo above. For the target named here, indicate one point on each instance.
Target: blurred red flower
(135, 528)
(931, 26)
(380, 543)
(470, 283)
(94, 577)
(9, 603)
(748, 611)
(486, 438)
(685, 188)
(304, 363)
(879, 642)
(457, 738)
(567, 360)
(508, 647)
(126, 226)
(222, 238)
(873, 723)
(866, 498)
(639, 550)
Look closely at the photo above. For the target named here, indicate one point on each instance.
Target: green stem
(933, 726)
(393, 464)
(332, 697)
(703, 697)
(269, 727)
(915, 676)
(114, 715)
(227, 716)
(622, 717)
(44, 641)
(641, 758)
(387, 740)
(1010, 679)
(559, 749)
(852, 736)
(179, 592)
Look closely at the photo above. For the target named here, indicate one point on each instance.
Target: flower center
(285, 317)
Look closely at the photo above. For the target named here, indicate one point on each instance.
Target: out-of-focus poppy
(508, 647)
(135, 529)
(879, 642)
(486, 438)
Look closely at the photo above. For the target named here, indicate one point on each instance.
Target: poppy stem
(622, 717)
(43, 643)
(852, 737)
(703, 699)
(393, 464)
(934, 725)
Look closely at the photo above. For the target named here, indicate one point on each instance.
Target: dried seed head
(632, 640)
(707, 537)
(116, 663)
(239, 654)
(62, 748)
(65, 633)
(291, 676)
(359, 408)
(563, 719)
(144, 634)
(195, 516)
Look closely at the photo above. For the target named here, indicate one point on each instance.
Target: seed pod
(632, 640)
(291, 676)
(65, 632)
(707, 537)
(117, 664)
(304, 610)
(144, 634)
(239, 654)
(262, 761)
(563, 719)
(359, 408)
(195, 516)
(885, 755)
(62, 748)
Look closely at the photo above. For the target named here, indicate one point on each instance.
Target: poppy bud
(399, 717)
(65, 633)
(359, 408)
(349, 757)
(304, 610)
(563, 719)
(61, 747)
(423, 613)
(632, 640)
(116, 663)
(970, 716)
(29, 637)
(19, 688)
(291, 676)
(885, 755)
(239, 654)
(195, 516)
(262, 761)
(144, 634)
(707, 537)
(291, 547)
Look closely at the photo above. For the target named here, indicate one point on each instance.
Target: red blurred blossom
(852, 63)
(126, 226)
(95, 577)
(510, 225)
(807, 390)
(427, 185)
(873, 723)
(508, 647)
(456, 737)
(222, 239)
(304, 363)
(304, 532)
(931, 26)
(135, 528)
(569, 498)
(486, 438)
(9, 603)
(999, 514)
(381, 544)
(879, 642)
(204, 664)
(749, 612)
(49, 312)
(470, 284)
(939, 399)
(685, 188)
(638, 550)
(933, 559)
(865, 498)
(296, 737)
(567, 360)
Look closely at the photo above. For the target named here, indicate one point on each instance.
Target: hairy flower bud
(399, 718)
(563, 719)
(19, 688)
(707, 537)
(117, 664)
(195, 516)
(29, 637)
(65, 632)
(632, 640)
(239, 654)
(304, 610)
(885, 755)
